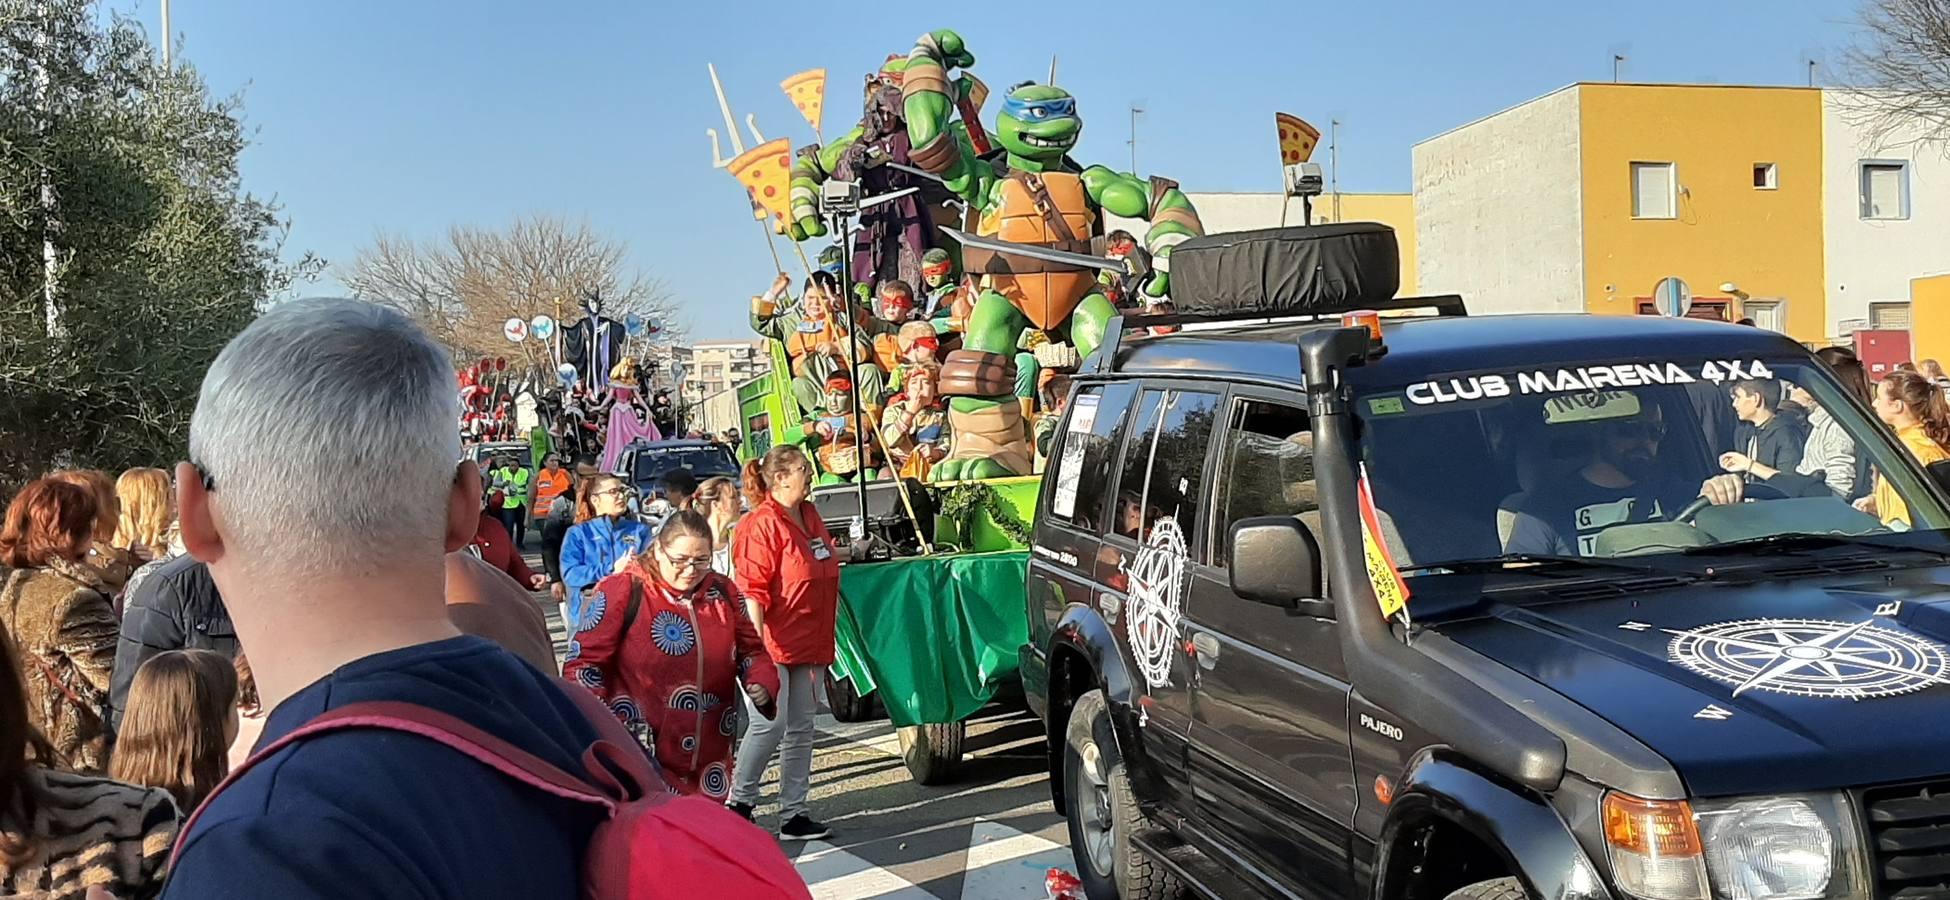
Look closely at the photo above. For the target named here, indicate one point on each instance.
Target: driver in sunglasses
(1622, 483)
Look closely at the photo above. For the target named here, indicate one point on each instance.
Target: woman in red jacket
(788, 567)
(664, 643)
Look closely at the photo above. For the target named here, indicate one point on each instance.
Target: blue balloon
(634, 325)
(567, 373)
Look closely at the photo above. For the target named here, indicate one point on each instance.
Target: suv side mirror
(1275, 560)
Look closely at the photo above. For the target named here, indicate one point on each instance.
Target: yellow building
(1584, 199)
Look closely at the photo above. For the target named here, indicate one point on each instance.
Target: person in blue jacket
(604, 541)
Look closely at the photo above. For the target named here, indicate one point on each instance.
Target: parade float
(917, 365)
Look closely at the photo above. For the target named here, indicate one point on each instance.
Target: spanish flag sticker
(1389, 588)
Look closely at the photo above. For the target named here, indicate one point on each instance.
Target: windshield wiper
(1517, 562)
(1801, 540)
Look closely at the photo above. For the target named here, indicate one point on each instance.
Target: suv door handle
(1206, 648)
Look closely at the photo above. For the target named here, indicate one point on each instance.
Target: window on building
(1164, 465)
(1889, 316)
(1653, 190)
(1269, 470)
(1768, 314)
(1080, 470)
(1885, 189)
(1765, 176)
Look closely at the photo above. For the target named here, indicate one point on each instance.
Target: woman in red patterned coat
(665, 644)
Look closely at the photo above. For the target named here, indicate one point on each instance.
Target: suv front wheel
(1103, 813)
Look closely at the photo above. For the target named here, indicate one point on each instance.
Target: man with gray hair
(325, 489)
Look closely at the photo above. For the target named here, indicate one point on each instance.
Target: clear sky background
(406, 116)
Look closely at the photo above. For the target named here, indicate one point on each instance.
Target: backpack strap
(411, 718)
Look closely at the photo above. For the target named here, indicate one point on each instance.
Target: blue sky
(407, 116)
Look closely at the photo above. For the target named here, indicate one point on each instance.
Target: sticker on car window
(1591, 406)
(1386, 406)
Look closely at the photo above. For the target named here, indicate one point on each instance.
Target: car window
(1615, 459)
(704, 462)
(1164, 464)
(1080, 476)
(1268, 469)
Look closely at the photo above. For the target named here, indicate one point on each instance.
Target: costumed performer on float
(815, 339)
(629, 421)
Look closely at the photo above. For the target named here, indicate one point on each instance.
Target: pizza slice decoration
(766, 173)
(807, 91)
(1297, 139)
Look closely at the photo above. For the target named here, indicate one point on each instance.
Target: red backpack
(653, 842)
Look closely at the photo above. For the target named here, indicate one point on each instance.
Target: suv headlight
(1800, 847)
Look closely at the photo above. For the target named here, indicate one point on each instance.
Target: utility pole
(1811, 73)
(1133, 141)
(1333, 165)
(1616, 60)
(167, 37)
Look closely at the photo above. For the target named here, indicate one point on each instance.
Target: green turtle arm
(809, 171)
(1120, 194)
(1173, 218)
(930, 109)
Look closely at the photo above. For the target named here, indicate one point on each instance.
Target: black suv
(1651, 647)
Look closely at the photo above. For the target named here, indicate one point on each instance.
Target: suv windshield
(704, 462)
(1626, 459)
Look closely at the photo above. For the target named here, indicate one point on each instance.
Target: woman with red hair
(112, 564)
(57, 610)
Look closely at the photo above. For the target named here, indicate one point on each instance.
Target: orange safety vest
(550, 486)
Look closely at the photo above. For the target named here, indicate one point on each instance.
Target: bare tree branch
(464, 286)
(1900, 68)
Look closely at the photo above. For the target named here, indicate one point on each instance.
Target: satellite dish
(515, 330)
(541, 327)
(1672, 297)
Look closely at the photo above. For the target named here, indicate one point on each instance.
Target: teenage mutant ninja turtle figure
(892, 236)
(1032, 313)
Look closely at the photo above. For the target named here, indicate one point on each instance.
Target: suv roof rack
(1442, 305)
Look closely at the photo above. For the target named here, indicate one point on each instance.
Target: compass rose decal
(1812, 657)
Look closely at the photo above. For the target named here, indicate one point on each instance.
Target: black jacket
(175, 608)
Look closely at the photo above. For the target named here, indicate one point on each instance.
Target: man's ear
(196, 521)
(464, 506)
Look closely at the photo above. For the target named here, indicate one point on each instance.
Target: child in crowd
(177, 731)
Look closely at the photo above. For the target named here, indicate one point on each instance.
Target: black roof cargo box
(1286, 271)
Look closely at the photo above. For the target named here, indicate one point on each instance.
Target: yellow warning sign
(1390, 591)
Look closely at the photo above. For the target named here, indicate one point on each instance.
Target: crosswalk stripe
(1003, 862)
(834, 874)
(878, 736)
(1000, 863)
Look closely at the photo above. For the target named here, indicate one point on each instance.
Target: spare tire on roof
(1286, 271)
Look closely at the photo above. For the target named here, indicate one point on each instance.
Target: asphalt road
(992, 834)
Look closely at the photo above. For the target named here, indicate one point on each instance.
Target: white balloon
(515, 330)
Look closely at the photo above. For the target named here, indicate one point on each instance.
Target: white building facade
(1886, 215)
(1498, 209)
